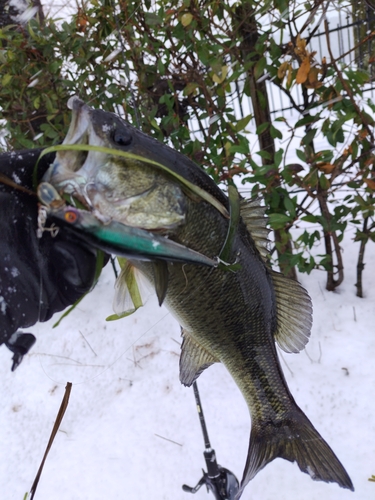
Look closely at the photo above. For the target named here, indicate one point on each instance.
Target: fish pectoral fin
(294, 313)
(194, 359)
(295, 439)
(131, 290)
(161, 277)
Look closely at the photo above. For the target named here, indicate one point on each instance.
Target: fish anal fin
(294, 439)
(294, 313)
(194, 359)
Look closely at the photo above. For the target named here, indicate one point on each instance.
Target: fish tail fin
(295, 439)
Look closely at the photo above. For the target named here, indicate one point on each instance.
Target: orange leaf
(300, 45)
(370, 183)
(290, 76)
(303, 71)
(312, 79)
(81, 20)
(326, 168)
(362, 134)
(281, 72)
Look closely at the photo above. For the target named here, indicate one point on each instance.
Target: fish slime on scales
(232, 312)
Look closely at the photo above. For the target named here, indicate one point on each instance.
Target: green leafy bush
(199, 76)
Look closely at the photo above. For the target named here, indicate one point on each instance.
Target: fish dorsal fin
(194, 359)
(294, 313)
(253, 215)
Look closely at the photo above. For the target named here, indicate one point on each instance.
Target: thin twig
(361, 255)
(60, 415)
(166, 439)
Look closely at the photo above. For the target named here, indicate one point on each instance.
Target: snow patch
(14, 272)
(19, 5)
(106, 128)
(16, 178)
(27, 15)
(3, 305)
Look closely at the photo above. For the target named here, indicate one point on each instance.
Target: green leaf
(241, 124)
(186, 19)
(275, 133)
(262, 128)
(6, 79)
(310, 218)
(241, 148)
(161, 67)
(152, 19)
(324, 182)
(36, 102)
(259, 67)
(190, 88)
(301, 155)
(290, 206)
(264, 154)
(307, 120)
(219, 78)
(279, 221)
(278, 157)
(309, 136)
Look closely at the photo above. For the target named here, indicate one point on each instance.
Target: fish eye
(70, 216)
(121, 137)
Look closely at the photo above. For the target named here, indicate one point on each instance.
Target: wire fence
(347, 28)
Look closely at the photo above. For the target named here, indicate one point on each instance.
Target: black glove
(38, 277)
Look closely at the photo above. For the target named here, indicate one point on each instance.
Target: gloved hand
(38, 276)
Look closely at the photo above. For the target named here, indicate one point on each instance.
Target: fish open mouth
(126, 189)
(67, 163)
(74, 170)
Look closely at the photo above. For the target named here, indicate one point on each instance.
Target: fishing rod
(222, 482)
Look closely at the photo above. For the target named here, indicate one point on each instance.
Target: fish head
(126, 189)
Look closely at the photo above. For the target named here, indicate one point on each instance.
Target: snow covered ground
(131, 430)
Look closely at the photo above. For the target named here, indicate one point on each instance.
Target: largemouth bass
(228, 316)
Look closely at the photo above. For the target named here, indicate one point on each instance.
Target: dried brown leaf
(303, 71)
(370, 183)
(281, 72)
(326, 168)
